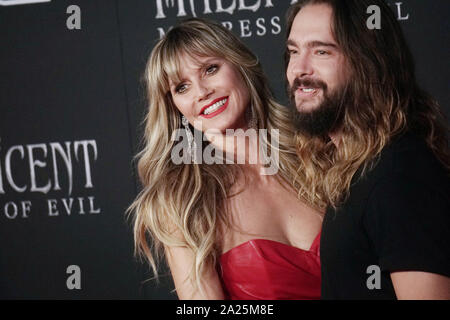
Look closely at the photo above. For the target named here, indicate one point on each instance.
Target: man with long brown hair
(374, 152)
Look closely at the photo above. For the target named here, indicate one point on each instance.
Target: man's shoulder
(408, 156)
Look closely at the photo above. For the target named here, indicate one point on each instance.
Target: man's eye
(211, 69)
(291, 51)
(181, 88)
(322, 52)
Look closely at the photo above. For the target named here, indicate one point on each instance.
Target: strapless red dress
(262, 269)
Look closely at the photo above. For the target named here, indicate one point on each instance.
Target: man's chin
(315, 118)
(306, 107)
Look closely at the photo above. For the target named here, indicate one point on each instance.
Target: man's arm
(417, 285)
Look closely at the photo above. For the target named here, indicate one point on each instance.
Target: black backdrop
(71, 101)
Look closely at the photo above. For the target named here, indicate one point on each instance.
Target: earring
(252, 121)
(192, 145)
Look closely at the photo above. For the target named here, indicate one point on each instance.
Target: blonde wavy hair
(385, 101)
(184, 205)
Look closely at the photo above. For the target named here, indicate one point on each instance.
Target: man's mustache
(309, 83)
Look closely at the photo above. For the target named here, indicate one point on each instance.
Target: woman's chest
(270, 212)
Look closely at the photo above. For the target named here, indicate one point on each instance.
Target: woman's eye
(211, 69)
(181, 88)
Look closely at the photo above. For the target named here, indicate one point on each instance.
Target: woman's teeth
(215, 106)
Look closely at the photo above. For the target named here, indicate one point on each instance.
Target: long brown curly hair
(386, 101)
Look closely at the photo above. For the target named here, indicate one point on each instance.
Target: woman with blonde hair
(227, 231)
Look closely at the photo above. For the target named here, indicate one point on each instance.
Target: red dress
(262, 269)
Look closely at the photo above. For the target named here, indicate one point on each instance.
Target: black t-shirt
(397, 217)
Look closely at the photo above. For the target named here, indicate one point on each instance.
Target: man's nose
(300, 66)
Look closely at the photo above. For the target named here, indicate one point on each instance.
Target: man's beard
(327, 116)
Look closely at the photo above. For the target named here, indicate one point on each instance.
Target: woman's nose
(203, 91)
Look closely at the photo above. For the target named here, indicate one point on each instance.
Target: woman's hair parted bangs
(196, 38)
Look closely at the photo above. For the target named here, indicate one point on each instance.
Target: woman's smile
(214, 108)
